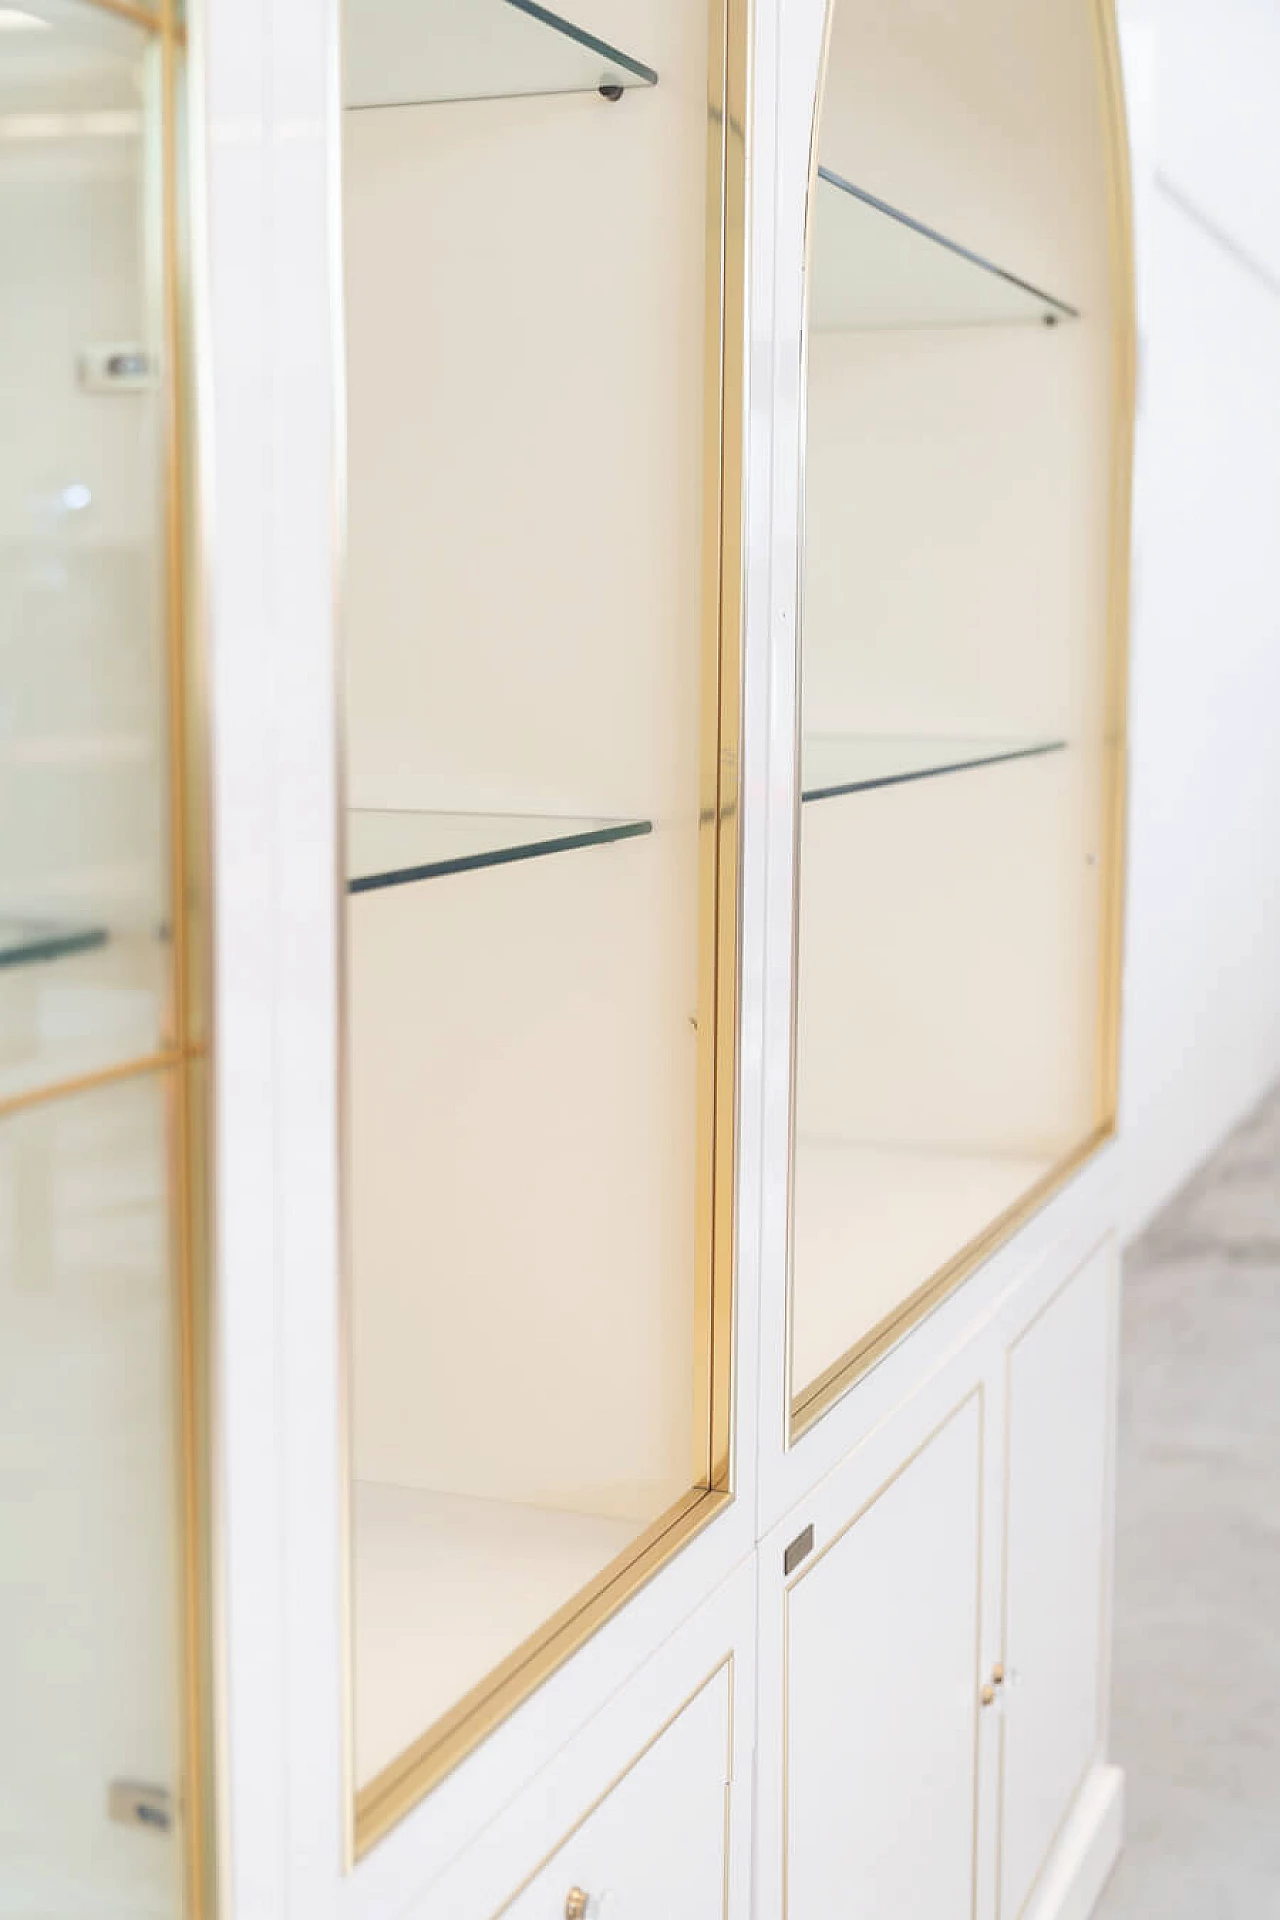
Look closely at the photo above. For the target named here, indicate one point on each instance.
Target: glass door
(541, 640)
(99, 1774)
(968, 403)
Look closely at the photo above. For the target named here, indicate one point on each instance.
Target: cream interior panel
(948, 962)
(955, 558)
(521, 1058)
(1015, 91)
(525, 299)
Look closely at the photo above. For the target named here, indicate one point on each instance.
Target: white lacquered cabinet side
(1061, 1383)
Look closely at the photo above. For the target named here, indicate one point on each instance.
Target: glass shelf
(23, 942)
(833, 764)
(422, 52)
(876, 268)
(386, 848)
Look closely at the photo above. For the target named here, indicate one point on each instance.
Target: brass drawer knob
(576, 1904)
(997, 1674)
(988, 1694)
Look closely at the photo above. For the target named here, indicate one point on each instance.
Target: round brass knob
(997, 1674)
(576, 1904)
(988, 1694)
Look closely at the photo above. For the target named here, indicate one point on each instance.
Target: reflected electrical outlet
(116, 366)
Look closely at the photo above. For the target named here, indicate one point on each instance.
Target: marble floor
(1197, 1650)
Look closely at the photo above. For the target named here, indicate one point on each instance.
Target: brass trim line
(99, 1077)
(154, 19)
(191, 1186)
(834, 1383)
(813, 1400)
(385, 1800)
(391, 1794)
(722, 1666)
(1124, 404)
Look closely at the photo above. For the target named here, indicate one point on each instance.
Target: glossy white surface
(882, 1697)
(1061, 1395)
(657, 1844)
(609, 1813)
(445, 1588)
(88, 1527)
(1086, 1853)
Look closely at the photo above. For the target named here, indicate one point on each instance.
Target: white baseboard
(1086, 1851)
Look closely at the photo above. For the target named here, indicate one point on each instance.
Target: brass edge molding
(976, 1392)
(155, 19)
(1124, 410)
(729, 642)
(834, 1383)
(87, 1082)
(809, 1404)
(190, 880)
(721, 1666)
(401, 1785)
(719, 862)
(380, 1805)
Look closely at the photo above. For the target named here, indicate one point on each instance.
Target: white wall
(1202, 976)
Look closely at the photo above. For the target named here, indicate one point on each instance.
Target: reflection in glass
(88, 1530)
(83, 889)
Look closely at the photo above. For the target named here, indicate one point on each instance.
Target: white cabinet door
(1060, 1398)
(878, 1746)
(654, 1848)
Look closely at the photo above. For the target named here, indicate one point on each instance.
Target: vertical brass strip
(705, 1215)
(189, 1197)
(731, 447)
(384, 1801)
(1124, 402)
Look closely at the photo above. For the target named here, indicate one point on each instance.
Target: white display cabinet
(663, 543)
(934, 1631)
